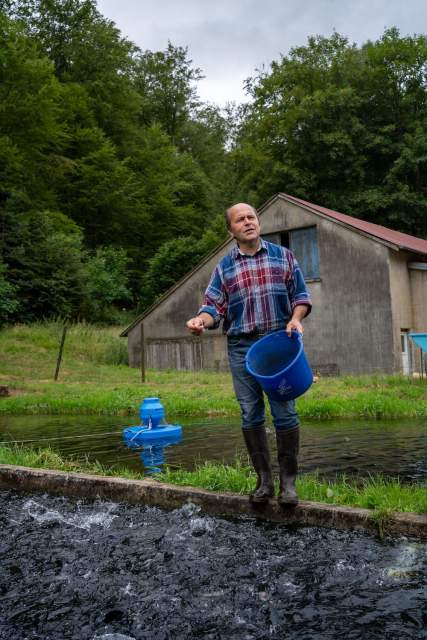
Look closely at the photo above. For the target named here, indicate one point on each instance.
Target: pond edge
(167, 496)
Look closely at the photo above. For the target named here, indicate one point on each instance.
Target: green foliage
(45, 264)
(342, 126)
(383, 495)
(175, 258)
(8, 301)
(95, 131)
(104, 145)
(106, 283)
(165, 81)
(89, 383)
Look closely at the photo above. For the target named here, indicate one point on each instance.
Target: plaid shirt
(256, 292)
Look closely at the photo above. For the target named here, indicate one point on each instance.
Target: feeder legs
(257, 446)
(287, 455)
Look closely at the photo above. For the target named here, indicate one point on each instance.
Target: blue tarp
(420, 340)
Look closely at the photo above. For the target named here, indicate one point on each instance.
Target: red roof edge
(401, 240)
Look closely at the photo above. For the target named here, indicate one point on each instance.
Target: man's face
(244, 224)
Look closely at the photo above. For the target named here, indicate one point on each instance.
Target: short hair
(227, 212)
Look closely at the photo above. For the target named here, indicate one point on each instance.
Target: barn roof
(400, 240)
(395, 239)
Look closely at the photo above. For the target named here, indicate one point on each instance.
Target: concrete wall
(349, 331)
(401, 302)
(418, 283)
(350, 328)
(166, 326)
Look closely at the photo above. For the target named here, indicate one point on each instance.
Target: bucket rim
(282, 371)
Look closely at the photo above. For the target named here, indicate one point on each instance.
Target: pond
(104, 571)
(354, 447)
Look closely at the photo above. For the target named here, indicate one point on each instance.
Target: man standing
(256, 289)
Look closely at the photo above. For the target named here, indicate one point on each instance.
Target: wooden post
(61, 348)
(142, 344)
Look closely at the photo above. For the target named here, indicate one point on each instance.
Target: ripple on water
(106, 571)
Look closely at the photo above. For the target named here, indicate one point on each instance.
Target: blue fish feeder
(153, 428)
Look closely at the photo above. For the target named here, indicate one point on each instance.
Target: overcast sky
(229, 39)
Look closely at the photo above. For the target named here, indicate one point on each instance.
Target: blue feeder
(153, 428)
(420, 340)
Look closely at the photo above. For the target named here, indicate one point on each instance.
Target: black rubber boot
(287, 455)
(257, 446)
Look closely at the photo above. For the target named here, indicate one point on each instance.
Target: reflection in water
(357, 448)
(152, 455)
(153, 458)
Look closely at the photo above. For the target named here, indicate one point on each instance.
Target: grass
(377, 493)
(95, 379)
(46, 458)
(384, 495)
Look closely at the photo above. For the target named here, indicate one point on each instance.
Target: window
(303, 244)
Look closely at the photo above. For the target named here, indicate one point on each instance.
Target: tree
(337, 124)
(100, 146)
(8, 300)
(106, 284)
(165, 80)
(88, 49)
(175, 258)
(31, 132)
(45, 265)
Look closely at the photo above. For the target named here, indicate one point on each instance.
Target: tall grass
(94, 378)
(373, 493)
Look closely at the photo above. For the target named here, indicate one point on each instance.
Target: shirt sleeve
(297, 289)
(215, 301)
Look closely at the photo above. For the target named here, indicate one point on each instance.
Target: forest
(114, 175)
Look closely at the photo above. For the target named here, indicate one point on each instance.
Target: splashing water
(42, 514)
(104, 571)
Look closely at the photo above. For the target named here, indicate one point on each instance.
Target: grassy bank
(376, 493)
(94, 379)
(46, 458)
(372, 493)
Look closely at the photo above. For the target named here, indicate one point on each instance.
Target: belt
(256, 333)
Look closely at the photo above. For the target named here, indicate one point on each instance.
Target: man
(256, 289)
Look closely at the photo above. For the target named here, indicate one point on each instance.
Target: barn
(368, 284)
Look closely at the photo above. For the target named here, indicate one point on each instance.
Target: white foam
(81, 521)
(188, 510)
(201, 525)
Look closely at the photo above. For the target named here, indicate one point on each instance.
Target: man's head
(243, 223)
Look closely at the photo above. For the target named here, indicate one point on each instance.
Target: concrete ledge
(167, 496)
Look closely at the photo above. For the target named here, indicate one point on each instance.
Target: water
(106, 571)
(357, 448)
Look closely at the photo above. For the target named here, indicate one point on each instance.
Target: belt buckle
(259, 334)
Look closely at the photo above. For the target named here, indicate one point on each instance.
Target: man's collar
(236, 251)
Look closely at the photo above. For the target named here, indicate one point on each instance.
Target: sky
(230, 39)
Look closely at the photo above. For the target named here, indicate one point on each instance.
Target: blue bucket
(279, 364)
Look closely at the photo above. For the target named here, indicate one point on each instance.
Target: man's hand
(196, 325)
(294, 323)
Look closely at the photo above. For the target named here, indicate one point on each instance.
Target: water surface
(354, 447)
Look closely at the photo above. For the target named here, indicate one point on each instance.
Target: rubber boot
(287, 455)
(257, 446)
